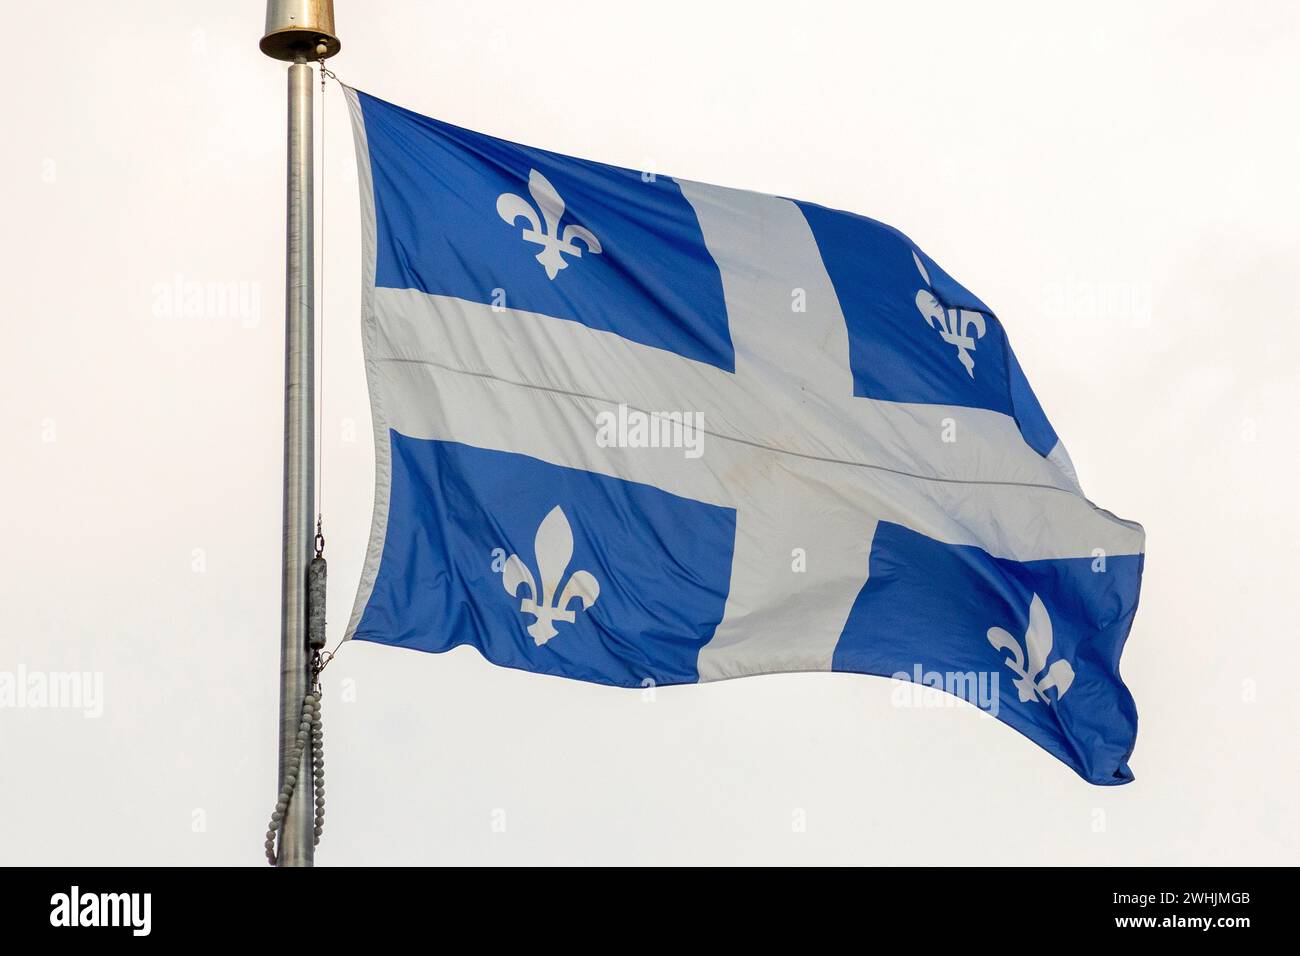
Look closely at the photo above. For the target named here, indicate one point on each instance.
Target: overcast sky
(1116, 180)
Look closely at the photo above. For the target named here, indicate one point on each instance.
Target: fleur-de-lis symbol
(1038, 644)
(954, 325)
(554, 549)
(545, 231)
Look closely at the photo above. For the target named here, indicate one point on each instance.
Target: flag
(639, 430)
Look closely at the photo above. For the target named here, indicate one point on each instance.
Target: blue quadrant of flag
(458, 513)
(653, 280)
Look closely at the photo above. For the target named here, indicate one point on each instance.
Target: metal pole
(299, 461)
(297, 30)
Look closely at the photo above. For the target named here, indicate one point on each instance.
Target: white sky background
(1117, 180)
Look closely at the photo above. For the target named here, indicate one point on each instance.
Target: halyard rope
(309, 726)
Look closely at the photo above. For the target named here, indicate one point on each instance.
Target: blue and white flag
(639, 430)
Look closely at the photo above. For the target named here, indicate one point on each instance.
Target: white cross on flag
(638, 430)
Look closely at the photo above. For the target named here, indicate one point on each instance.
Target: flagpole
(298, 31)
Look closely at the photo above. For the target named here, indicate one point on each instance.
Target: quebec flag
(639, 430)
